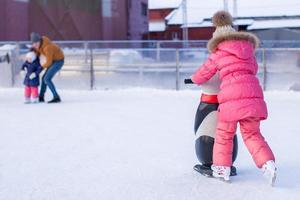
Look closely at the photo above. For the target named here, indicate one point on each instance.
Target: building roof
(270, 24)
(207, 23)
(164, 4)
(199, 12)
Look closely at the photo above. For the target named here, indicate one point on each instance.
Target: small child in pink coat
(240, 97)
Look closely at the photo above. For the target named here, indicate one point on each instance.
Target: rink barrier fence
(174, 57)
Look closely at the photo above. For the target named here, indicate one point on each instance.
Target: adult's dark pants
(48, 76)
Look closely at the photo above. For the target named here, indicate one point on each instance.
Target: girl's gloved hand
(188, 81)
(32, 76)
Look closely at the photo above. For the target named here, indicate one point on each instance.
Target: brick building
(158, 28)
(74, 19)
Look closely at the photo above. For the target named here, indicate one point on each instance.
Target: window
(106, 8)
(144, 10)
(174, 36)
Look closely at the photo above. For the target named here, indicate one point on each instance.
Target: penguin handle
(188, 81)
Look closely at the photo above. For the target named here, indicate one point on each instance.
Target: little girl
(33, 69)
(240, 97)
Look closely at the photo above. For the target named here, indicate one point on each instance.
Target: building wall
(204, 33)
(3, 20)
(73, 19)
(174, 32)
(115, 19)
(104, 20)
(13, 20)
(156, 36)
(138, 19)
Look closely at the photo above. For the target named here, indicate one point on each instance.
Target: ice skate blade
(222, 179)
(273, 180)
(207, 171)
(203, 170)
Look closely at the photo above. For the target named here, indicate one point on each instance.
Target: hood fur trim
(215, 41)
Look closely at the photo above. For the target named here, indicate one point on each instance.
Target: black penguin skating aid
(205, 128)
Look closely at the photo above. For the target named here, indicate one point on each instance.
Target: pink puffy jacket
(240, 94)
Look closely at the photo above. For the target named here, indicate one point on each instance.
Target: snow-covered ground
(131, 144)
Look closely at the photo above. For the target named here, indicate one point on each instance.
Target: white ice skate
(221, 172)
(269, 171)
(27, 100)
(35, 100)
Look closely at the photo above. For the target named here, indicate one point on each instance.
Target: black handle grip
(188, 81)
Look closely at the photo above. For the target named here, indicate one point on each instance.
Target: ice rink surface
(132, 144)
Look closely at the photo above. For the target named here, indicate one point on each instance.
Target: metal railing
(128, 44)
(89, 65)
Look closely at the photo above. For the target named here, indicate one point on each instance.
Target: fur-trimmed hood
(215, 41)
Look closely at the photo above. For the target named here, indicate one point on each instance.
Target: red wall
(73, 20)
(173, 29)
(13, 20)
(166, 35)
(204, 33)
(60, 23)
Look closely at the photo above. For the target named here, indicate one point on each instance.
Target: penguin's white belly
(208, 125)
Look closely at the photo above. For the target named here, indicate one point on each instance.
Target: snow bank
(270, 24)
(7, 47)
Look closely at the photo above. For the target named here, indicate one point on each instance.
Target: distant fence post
(92, 75)
(264, 69)
(177, 70)
(158, 51)
(85, 46)
(141, 74)
(6, 69)
(15, 56)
